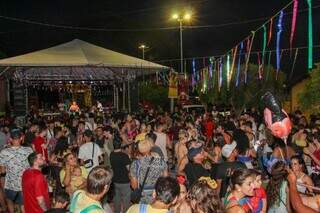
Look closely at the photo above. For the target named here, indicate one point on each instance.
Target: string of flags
(227, 68)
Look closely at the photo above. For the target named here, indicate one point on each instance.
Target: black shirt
(223, 171)
(119, 162)
(194, 171)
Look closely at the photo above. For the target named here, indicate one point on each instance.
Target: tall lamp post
(181, 19)
(143, 47)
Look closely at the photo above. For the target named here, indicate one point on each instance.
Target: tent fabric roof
(78, 53)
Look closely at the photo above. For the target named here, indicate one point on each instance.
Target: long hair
(278, 175)
(206, 198)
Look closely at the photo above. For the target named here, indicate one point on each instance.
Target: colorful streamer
(310, 36)
(259, 66)
(214, 72)
(269, 65)
(233, 61)
(193, 72)
(270, 31)
(280, 29)
(228, 70)
(264, 43)
(248, 59)
(220, 73)
(239, 64)
(294, 21)
(294, 62)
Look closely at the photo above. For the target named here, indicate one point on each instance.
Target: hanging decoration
(239, 64)
(259, 66)
(264, 43)
(294, 62)
(214, 73)
(220, 73)
(294, 21)
(193, 72)
(228, 70)
(248, 58)
(310, 36)
(269, 65)
(280, 29)
(210, 72)
(270, 31)
(233, 62)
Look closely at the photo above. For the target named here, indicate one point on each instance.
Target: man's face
(40, 160)
(99, 132)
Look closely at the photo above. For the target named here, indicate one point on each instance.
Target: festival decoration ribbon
(270, 31)
(269, 65)
(294, 62)
(310, 36)
(264, 43)
(294, 21)
(193, 72)
(239, 64)
(280, 29)
(248, 58)
(233, 62)
(228, 70)
(220, 73)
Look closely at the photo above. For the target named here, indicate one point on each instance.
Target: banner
(173, 85)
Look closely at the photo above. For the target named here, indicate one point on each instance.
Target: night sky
(19, 38)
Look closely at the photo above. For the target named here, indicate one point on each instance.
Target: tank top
(300, 188)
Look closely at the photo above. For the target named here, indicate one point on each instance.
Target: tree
(153, 93)
(247, 95)
(309, 98)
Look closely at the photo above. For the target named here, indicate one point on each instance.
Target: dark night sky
(18, 38)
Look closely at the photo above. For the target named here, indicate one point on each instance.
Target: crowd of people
(157, 162)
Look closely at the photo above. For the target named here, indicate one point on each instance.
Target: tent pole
(124, 96)
(114, 96)
(117, 98)
(26, 93)
(129, 98)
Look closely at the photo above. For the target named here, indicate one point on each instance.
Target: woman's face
(72, 160)
(296, 167)
(247, 188)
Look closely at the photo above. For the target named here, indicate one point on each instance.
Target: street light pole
(143, 47)
(181, 47)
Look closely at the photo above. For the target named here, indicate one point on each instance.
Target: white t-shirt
(85, 153)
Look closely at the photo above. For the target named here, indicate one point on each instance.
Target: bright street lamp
(143, 47)
(181, 18)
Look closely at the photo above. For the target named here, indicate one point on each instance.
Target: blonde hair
(144, 146)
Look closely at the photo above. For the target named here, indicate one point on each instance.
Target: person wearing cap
(221, 172)
(90, 154)
(15, 161)
(194, 168)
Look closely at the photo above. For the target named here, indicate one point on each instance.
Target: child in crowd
(76, 179)
(257, 203)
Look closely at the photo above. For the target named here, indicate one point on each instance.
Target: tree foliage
(248, 94)
(153, 93)
(309, 98)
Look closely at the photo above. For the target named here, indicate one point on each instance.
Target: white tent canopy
(77, 53)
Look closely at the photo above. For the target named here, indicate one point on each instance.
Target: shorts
(14, 196)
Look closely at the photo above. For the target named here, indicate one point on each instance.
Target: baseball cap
(193, 151)
(228, 149)
(15, 133)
